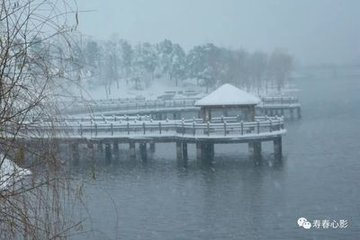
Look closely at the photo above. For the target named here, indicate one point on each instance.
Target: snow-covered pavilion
(228, 98)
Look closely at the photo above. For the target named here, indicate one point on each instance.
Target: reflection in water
(196, 199)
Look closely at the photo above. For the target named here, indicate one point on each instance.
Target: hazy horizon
(321, 31)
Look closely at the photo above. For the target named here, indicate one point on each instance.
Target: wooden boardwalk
(289, 106)
(113, 131)
(174, 109)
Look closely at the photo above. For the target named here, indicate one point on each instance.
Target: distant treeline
(115, 62)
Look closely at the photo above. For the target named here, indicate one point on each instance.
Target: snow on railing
(143, 104)
(125, 118)
(280, 100)
(226, 126)
(131, 105)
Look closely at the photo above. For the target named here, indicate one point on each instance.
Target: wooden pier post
(75, 152)
(278, 147)
(184, 151)
(108, 155)
(251, 148)
(100, 147)
(199, 151)
(143, 152)
(257, 150)
(116, 149)
(209, 152)
(181, 154)
(179, 151)
(90, 146)
(292, 114)
(132, 150)
(205, 152)
(152, 147)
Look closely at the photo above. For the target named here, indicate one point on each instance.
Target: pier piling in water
(257, 150)
(116, 149)
(75, 153)
(100, 147)
(152, 147)
(198, 151)
(184, 151)
(292, 114)
(181, 151)
(278, 147)
(299, 112)
(251, 148)
(178, 151)
(108, 155)
(143, 152)
(205, 151)
(132, 150)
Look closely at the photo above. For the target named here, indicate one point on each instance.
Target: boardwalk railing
(120, 119)
(139, 105)
(132, 105)
(222, 128)
(283, 100)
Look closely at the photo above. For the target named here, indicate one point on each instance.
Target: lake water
(235, 198)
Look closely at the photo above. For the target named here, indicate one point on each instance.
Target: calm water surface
(236, 198)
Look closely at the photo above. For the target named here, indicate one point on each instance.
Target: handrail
(155, 128)
(280, 100)
(143, 104)
(133, 105)
(146, 118)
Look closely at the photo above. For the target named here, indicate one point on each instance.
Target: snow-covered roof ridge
(227, 94)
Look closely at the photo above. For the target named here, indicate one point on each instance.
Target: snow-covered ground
(159, 87)
(10, 173)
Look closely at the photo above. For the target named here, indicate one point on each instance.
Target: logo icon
(303, 222)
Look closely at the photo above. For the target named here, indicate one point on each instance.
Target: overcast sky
(314, 31)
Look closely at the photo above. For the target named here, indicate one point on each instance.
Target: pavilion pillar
(299, 112)
(252, 113)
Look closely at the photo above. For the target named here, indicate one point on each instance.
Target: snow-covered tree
(280, 67)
